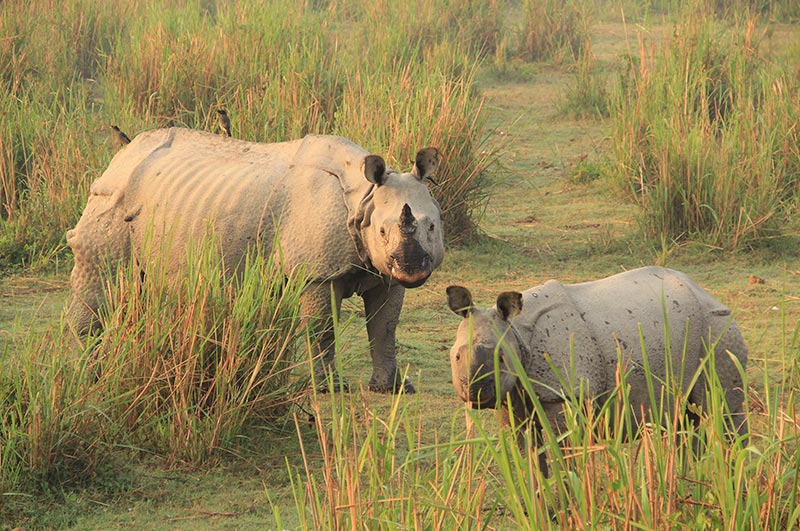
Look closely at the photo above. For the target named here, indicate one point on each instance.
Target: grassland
(370, 461)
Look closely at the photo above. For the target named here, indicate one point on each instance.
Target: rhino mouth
(478, 394)
(484, 404)
(482, 396)
(411, 276)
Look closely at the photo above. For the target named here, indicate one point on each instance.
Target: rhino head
(402, 226)
(482, 357)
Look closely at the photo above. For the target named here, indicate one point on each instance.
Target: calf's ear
(375, 169)
(426, 163)
(459, 299)
(509, 304)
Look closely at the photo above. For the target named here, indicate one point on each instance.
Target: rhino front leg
(382, 307)
(318, 303)
(87, 282)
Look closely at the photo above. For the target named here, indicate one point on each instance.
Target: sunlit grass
(386, 468)
(705, 136)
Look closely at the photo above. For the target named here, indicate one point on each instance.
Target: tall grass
(48, 154)
(705, 136)
(553, 30)
(588, 95)
(183, 370)
(282, 70)
(196, 361)
(390, 470)
(53, 433)
(637, 10)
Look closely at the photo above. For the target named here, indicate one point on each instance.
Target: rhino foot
(400, 384)
(332, 383)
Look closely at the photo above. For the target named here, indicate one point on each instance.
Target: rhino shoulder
(123, 166)
(556, 326)
(335, 155)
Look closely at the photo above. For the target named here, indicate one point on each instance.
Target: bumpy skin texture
(596, 318)
(332, 207)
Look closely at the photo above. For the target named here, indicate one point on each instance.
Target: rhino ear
(460, 300)
(426, 163)
(509, 304)
(375, 169)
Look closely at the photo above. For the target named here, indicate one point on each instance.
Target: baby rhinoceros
(584, 331)
(322, 203)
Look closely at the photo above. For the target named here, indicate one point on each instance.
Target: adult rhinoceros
(356, 225)
(586, 329)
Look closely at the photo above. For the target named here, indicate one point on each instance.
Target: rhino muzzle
(410, 264)
(411, 276)
(479, 390)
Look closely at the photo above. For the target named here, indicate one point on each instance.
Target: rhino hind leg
(729, 343)
(318, 302)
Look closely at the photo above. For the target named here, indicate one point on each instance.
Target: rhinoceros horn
(408, 225)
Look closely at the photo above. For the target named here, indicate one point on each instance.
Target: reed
(553, 31)
(52, 427)
(183, 371)
(201, 359)
(387, 469)
(588, 96)
(704, 136)
(158, 63)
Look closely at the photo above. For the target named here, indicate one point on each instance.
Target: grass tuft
(705, 136)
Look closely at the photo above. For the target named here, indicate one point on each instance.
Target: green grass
(705, 134)
(367, 460)
(158, 63)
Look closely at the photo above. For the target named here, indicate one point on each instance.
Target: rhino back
(583, 325)
(651, 303)
(196, 184)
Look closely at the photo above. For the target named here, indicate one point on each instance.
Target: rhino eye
(431, 227)
(383, 232)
